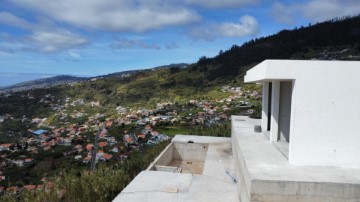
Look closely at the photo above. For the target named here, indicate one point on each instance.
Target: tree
(174, 70)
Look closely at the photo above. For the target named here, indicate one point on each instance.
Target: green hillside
(336, 39)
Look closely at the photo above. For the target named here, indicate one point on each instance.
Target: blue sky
(94, 37)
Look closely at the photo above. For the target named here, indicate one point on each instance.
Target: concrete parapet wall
(166, 168)
(164, 158)
(190, 151)
(167, 156)
(243, 180)
(180, 151)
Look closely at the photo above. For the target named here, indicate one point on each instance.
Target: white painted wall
(325, 111)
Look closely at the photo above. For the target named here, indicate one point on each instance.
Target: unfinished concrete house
(308, 148)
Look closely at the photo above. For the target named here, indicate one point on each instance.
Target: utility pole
(95, 147)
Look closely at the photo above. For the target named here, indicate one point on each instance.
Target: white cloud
(283, 13)
(114, 15)
(315, 10)
(123, 43)
(222, 3)
(324, 9)
(50, 42)
(74, 55)
(10, 19)
(246, 26)
(42, 38)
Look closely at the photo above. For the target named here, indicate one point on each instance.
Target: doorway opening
(285, 111)
(283, 137)
(269, 107)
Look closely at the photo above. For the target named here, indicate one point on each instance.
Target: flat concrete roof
(213, 185)
(265, 162)
(292, 69)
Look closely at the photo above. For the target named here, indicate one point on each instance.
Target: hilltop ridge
(44, 83)
(68, 79)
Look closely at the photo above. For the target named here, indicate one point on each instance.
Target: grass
(218, 130)
(103, 184)
(174, 130)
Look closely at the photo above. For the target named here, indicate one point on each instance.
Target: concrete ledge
(166, 168)
(200, 139)
(264, 174)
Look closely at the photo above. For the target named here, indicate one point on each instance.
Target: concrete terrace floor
(268, 163)
(267, 175)
(213, 185)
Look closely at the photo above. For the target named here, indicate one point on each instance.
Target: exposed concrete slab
(218, 161)
(164, 186)
(153, 186)
(266, 175)
(212, 185)
(207, 188)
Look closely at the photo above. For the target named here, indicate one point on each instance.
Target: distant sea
(8, 79)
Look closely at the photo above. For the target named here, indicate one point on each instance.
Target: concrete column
(265, 106)
(275, 101)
